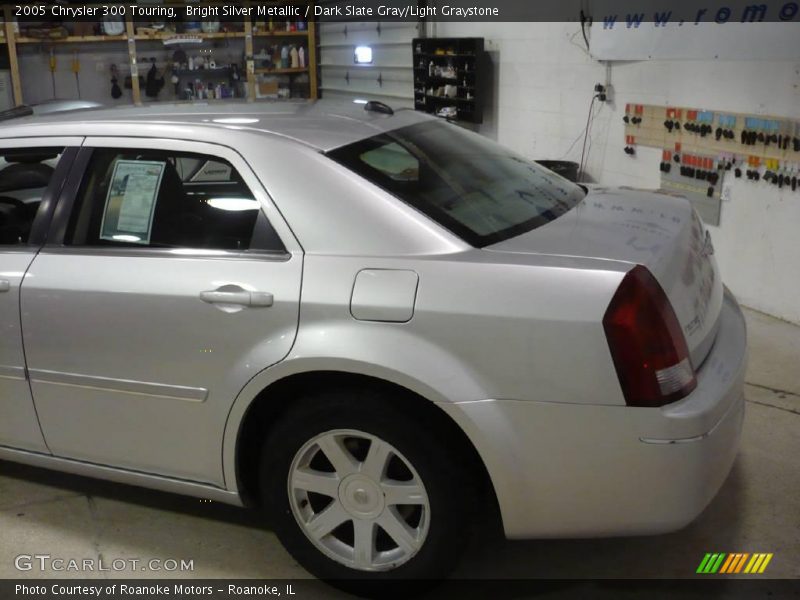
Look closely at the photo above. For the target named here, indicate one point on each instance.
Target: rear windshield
(470, 185)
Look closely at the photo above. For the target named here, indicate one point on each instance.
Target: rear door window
(25, 174)
(165, 199)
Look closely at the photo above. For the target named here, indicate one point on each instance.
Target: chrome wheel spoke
(342, 461)
(377, 460)
(363, 543)
(318, 482)
(321, 524)
(400, 492)
(393, 524)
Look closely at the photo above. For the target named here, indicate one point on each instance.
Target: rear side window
(25, 174)
(160, 199)
(474, 187)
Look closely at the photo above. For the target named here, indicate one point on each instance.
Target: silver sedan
(372, 323)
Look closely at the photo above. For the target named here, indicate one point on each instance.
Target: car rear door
(169, 281)
(32, 171)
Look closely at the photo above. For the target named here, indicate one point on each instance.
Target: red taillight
(646, 343)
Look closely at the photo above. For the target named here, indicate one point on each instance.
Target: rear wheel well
(272, 402)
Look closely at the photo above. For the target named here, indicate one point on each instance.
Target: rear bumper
(566, 470)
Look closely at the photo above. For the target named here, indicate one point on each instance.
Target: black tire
(434, 455)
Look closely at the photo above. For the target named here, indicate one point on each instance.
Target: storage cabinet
(449, 76)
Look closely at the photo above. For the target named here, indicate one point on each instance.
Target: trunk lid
(654, 229)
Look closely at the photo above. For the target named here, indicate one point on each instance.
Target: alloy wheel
(359, 500)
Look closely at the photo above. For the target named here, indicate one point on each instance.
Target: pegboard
(713, 133)
(702, 147)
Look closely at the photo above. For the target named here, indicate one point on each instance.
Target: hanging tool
(76, 68)
(116, 92)
(53, 70)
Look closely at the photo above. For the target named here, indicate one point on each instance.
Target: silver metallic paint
(384, 295)
(544, 409)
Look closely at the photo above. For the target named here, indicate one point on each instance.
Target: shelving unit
(134, 40)
(448, 77)
(297, 76)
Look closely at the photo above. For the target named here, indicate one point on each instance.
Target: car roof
(321, 124)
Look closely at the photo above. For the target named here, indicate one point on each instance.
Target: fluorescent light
(359, 101)
(126, 238)
(363, 55)
(233, 204)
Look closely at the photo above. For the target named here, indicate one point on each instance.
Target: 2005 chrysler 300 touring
(359, 320)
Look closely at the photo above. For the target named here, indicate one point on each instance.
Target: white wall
(544, 80)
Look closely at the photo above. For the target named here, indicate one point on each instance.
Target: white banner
(665, 35)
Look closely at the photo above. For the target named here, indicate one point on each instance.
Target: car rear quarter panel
(481, 329)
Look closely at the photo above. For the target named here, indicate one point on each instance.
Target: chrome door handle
(5, 285)
(243, 297)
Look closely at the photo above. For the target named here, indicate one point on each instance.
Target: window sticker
(131, 201)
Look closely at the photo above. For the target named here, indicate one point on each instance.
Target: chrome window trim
(194, 253)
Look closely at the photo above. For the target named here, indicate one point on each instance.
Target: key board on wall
(701, 147)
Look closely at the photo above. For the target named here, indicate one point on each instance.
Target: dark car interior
(24, 176)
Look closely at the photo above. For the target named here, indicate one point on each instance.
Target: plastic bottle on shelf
(294, 57)
(285, 57)
(430, 69)
(301, 57)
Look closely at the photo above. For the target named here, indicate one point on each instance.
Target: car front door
(30, 175)
(168, 281)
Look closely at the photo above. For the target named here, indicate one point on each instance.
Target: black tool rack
(449, 72)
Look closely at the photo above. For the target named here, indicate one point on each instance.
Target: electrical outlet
(600, 90)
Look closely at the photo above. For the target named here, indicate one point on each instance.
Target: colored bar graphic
(754, 564)
(717, 564)
(722, 563)
(727, 564)
(741, 562)
(764, 564)
(704, 563)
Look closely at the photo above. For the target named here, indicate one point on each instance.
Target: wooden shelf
(72, 39)
(266, 71)
(279, 34)
(160, 37)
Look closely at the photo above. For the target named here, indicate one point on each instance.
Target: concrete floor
(757, 510)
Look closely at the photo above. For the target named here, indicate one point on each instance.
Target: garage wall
(95, 72)
(543, 82)
(390, 76)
